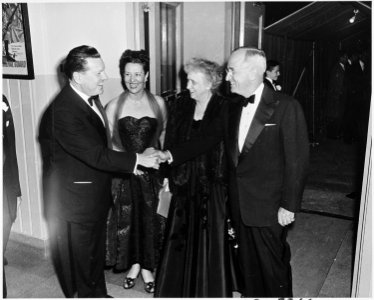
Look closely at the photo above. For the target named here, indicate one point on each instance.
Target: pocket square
(270, 124)
(82, 182)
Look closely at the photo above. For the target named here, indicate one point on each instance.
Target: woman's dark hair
(76, 59)
(132, 56)
(271, 64)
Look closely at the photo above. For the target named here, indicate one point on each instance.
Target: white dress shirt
(247, 115)
(85, 98)
(362, 65)
(272, 83)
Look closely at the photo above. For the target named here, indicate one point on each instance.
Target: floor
(321, 239)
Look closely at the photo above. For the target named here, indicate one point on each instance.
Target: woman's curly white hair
(212, 70)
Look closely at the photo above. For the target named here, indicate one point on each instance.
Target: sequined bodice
(137, 134)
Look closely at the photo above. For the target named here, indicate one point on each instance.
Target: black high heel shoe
(149, 287)
(129, 283)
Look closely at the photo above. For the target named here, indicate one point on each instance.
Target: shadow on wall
(61, 77)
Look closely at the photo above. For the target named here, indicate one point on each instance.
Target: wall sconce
(355, 12)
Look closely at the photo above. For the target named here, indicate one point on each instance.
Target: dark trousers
(265, 260)
(7, 226)
(78, 255)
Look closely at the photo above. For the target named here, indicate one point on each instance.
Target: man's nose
(104, 76)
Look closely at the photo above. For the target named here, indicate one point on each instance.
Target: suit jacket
(10, 164)
(337, 81)
(76, 160)
(355, 81)
(268, 83)
(271, 170)
(337, 92)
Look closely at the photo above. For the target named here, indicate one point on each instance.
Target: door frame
(154, 43)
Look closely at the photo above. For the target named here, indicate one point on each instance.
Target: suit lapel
(234, 133)
(263, 113)
(79, 104)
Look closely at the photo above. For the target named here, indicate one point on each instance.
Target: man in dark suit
(268, 152)
(76, 182)
(11, 185)
(271, 74)
(336, 98)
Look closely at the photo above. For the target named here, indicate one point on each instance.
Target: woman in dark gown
(137, 121)
(195, 260)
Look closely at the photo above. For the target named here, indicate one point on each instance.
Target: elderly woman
(137, 121)
(195, 260)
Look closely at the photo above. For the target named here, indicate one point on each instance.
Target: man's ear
(146, 77)
(76, 77)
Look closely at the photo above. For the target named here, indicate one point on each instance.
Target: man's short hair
(76, 59)
(251, 52)
(271, 64)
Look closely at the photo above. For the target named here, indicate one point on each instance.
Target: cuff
(170, 160)
(136, 164)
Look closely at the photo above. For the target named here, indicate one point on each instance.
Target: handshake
(151, 158)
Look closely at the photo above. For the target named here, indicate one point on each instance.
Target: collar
(258, 92)
(362, 64)
(271, 80)
(81, 94)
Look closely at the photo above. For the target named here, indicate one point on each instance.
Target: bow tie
(244, 102)
(93, 99)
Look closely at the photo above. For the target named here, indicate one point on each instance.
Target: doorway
(163, 34)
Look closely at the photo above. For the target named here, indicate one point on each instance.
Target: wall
(204, 30)
(362, 273)
(55, 29)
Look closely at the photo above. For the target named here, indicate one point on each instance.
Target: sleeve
(296, 151)
(164, 113)
(208, 138)
(84, 143)
(10, 162)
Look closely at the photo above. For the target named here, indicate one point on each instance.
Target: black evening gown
(134, 229)
(195, 260)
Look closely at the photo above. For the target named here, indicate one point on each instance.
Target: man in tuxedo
(11, 185)
(76, 184)
(271, 74)
(267, 144)
(336, 98)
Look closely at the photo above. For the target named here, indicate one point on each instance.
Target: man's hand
(149, 158)
(150, 151)
(19, 201)
(163, 155)
(285, 217)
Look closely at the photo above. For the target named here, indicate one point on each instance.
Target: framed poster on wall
(17, 54)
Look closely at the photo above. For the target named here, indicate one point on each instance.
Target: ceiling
(324, 21)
